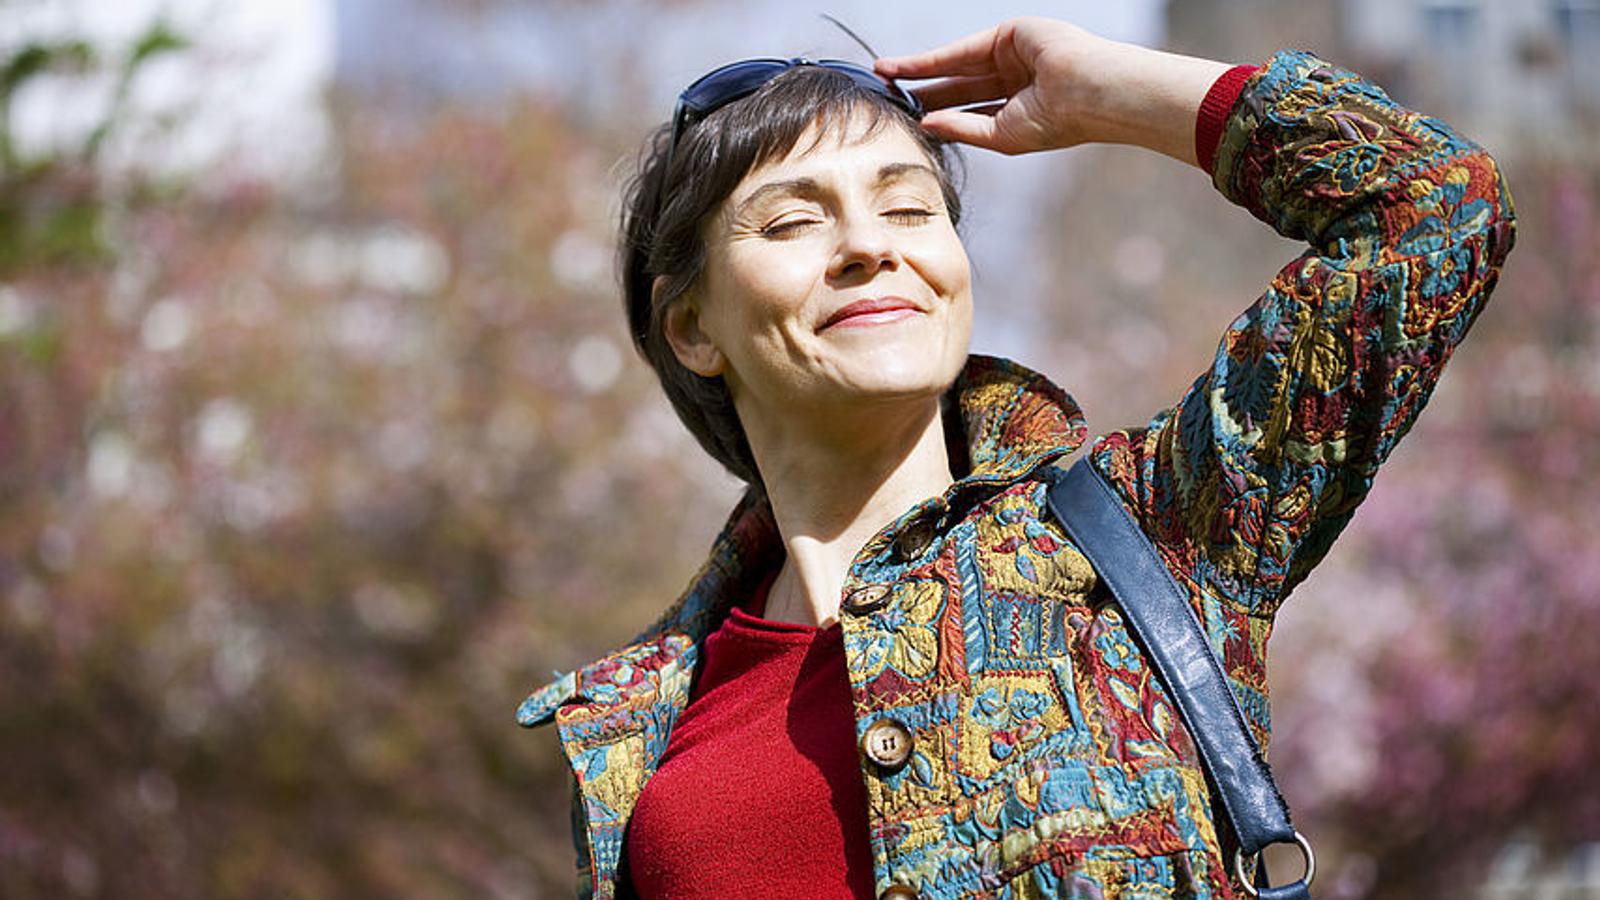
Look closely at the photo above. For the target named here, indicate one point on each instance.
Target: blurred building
(1247, 31)
(1519, 76)
(422, 51)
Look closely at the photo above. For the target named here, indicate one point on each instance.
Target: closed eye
(787, 227)
(910, 215)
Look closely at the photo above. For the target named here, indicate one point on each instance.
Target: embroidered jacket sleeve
(1247, 480)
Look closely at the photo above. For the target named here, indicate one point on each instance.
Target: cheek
(950, 274)
(783, 272)
(751, 303)
(947, 266)
(762, 290)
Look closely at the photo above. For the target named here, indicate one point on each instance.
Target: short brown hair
(710, 160)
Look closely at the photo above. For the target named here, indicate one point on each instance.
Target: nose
(865, 247)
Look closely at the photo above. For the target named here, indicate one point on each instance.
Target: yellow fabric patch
(1020, 553)
(1004, 715)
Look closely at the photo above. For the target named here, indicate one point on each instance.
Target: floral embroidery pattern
(901, 636)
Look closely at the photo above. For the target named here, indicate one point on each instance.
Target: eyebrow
(803, 187)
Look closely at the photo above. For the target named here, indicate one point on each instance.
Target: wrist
(1151, 98)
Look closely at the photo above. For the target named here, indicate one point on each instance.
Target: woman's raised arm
(1249, 477)
(1046, 85)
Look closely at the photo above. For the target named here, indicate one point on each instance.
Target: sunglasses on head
(734, 81)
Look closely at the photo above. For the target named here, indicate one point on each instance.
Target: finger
(980, 129)
(961, 91)
(971, 55)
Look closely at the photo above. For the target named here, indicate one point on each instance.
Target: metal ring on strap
(1305, 850)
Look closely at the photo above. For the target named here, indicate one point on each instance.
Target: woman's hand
(1045, 84)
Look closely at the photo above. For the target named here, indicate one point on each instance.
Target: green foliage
(51, 207)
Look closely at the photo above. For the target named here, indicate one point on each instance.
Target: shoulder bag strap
(1159, 615)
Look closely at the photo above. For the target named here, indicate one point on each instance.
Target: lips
(871, 311)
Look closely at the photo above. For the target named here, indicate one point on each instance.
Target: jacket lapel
(613, 716)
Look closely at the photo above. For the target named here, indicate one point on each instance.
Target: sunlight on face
(835, 277)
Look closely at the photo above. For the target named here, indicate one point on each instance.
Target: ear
(681, 327)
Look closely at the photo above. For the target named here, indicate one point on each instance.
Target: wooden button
(887, 743)
(865, 599)
(898, 892)
(914, 540)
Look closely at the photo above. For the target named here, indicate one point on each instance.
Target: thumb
(979, 128)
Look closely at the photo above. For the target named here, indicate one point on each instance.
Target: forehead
(849, 150)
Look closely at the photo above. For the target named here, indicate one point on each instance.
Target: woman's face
(834, 277)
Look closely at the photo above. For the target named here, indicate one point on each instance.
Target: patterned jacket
(1046, 759)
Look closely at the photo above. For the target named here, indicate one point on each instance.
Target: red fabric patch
(760, 789)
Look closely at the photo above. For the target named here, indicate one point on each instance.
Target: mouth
(871, 311)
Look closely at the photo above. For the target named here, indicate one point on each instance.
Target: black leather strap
(1158, 612)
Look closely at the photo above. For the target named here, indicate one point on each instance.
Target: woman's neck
(832, 488)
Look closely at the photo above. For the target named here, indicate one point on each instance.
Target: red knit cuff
(1214, 113)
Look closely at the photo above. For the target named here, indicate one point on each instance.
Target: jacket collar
(1012, 419)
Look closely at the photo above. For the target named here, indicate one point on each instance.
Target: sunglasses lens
(741, 79)
(872, 82)
(734, 81)
(729, 83)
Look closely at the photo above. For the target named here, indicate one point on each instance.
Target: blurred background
(322, 443)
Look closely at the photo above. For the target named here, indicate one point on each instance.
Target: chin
(896, 372)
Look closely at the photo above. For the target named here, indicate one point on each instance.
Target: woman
(896, 676)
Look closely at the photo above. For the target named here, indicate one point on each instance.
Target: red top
(759, 791)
